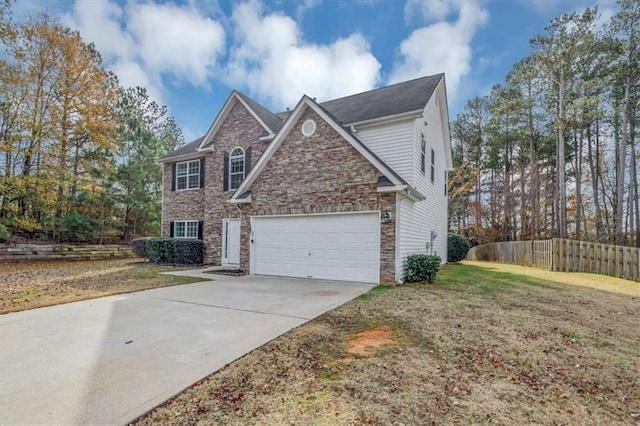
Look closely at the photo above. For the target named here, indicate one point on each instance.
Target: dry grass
(37, 284)
(482, 346)
(600, 282)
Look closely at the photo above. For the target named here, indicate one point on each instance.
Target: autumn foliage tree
(64, 138)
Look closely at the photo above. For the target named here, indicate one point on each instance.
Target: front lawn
(486, 344)
(31, 285)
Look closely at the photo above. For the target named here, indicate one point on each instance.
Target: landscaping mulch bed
(481, 346)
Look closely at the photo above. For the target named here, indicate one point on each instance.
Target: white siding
(392, 143)
(416, 220)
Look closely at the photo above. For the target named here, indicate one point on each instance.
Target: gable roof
(306, 101)
(391, 100)
(186, 151)
(396, 99)
(270, 119)
(258, 112)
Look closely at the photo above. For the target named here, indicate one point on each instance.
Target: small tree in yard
(457, 247)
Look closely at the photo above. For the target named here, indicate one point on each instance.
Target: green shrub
(457, 248)
(188, 252)
(422, 267)
(139, 246)
(76, 227)
(4, 234)
(160, 250)
(170, 250)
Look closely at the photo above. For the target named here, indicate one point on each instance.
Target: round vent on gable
(308, 128)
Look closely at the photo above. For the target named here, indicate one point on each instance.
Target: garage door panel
(336, 247)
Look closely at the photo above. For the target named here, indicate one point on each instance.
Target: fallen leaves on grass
(29, 285)
(479, 347)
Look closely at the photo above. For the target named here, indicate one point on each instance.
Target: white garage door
(343, 247)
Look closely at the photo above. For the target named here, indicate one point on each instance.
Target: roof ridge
(383, 87)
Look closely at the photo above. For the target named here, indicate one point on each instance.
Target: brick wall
(321, 173)
(317, 174)
(209, 204)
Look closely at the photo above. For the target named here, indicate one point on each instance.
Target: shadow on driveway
(110, 360)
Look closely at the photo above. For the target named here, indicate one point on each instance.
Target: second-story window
(188, 175)
(423, 153)
(433, 166)
(236, 168)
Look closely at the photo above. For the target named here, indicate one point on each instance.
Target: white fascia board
(286, 128)
(387, 118)
(248, 180)
(224, 112)
(444, 118)
(253, 113)
(246, 200)
(404, 190)
(184, 157)
(355, 143)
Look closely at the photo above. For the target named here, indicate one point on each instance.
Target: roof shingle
(382, 102)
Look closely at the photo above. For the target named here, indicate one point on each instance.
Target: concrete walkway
(110, 360)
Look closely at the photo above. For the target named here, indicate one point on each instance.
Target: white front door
(231, 242)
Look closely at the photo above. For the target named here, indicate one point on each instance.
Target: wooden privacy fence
(564, 255)
(30, 252)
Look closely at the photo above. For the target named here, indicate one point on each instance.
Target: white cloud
(176, 40)
(427, 10)
(145, 42)
(271, 59)
(304, 7)
(442, 46)
(100, 22)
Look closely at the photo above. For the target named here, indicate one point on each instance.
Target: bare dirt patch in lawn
(481, 346)
(366, 341)
(29, 285)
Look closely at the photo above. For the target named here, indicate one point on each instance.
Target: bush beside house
(170, 250)
(422, 267)
(457, 247)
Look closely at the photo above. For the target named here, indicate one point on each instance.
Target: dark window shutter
(200, 230)
(171, 226)
(202, 162)
(173, 177)
(225, 172)
(247, 161)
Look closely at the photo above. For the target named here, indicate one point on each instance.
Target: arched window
(236, 168)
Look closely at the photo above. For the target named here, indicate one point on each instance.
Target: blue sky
(191, 54)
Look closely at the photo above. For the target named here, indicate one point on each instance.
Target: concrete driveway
(109, 360)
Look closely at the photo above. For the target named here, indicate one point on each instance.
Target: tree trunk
(562, 190)
(620, 175)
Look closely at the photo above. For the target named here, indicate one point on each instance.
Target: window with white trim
(185, 229)
(433, 166)
(236, 168)
(423, 153)
(188, 175)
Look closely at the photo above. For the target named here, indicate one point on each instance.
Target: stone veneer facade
(318, 174)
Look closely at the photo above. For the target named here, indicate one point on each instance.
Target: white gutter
(387, 118)
(190, 156)
(246, 200)
(405, 190)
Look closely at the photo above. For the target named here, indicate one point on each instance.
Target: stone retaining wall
(35, 252)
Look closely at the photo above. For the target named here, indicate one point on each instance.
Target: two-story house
(339, 190)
